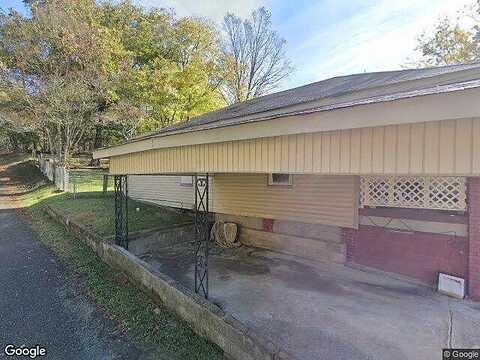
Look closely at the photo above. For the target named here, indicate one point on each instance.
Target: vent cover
(451, 285)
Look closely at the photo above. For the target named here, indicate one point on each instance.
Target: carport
(322, 310)
(392, 154)
(203, 222)
(401, 145)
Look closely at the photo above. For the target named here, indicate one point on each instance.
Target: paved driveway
(328, 311)
(41, 303)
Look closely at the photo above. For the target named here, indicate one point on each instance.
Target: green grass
(146, 321)
(88, 180)
(81, 185)
(97, 211)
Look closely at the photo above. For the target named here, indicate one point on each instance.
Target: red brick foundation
(474, 238)
(419, 255)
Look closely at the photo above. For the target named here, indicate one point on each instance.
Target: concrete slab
(323, 310)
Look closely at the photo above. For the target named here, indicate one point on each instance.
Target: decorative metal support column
(121, 210)
(125, 239)
(202, 234)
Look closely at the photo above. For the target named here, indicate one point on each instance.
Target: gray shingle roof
(325, 89)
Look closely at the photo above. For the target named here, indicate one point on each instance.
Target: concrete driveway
(328, 311)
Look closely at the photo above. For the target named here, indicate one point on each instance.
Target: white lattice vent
(422, 192)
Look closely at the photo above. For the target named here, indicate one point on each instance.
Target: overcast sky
(326, 38)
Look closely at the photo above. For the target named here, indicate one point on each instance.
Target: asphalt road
(41, 301)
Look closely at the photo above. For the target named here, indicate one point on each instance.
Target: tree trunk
(98, 137)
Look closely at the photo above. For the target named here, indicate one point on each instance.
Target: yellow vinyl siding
(330, 200)
(449, 147)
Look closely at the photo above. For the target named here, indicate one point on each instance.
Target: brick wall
(416, 254)
(474, 236)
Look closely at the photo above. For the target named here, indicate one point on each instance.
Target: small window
(186, 180)
(280, 179)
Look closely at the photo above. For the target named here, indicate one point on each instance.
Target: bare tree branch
(255, 55)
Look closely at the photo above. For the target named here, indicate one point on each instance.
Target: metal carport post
(202, 233)
(121, 210)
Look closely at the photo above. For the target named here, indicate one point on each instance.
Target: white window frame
(186, 180)
(272, 182)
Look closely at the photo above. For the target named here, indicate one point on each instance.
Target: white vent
(451, 285)
(422, 192)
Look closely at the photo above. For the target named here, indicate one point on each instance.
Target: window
(422, 192)
(186, 180)
(280, 179)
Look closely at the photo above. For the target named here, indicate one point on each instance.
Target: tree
(449, 45)
(183, 79)
(474, 13)
(13, 138)
(60, 70)
(87, 73)
(255, 56)
(178, 66)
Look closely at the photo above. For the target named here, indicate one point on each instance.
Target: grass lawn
(88, 180)
(93, 209)
(98, 212)
(145, 320)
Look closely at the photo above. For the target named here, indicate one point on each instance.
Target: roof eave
(235, 123)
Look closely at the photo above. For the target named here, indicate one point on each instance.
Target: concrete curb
(206, 319)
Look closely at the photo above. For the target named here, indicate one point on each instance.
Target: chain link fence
(78, 182)
(82, 181)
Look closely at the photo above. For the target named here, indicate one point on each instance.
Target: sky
(327, 38)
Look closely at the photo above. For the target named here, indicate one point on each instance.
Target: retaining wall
(206, 319)
(311, 241)
(143, 242)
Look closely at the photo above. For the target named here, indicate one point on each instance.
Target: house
(375, 169)
(170, 190)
